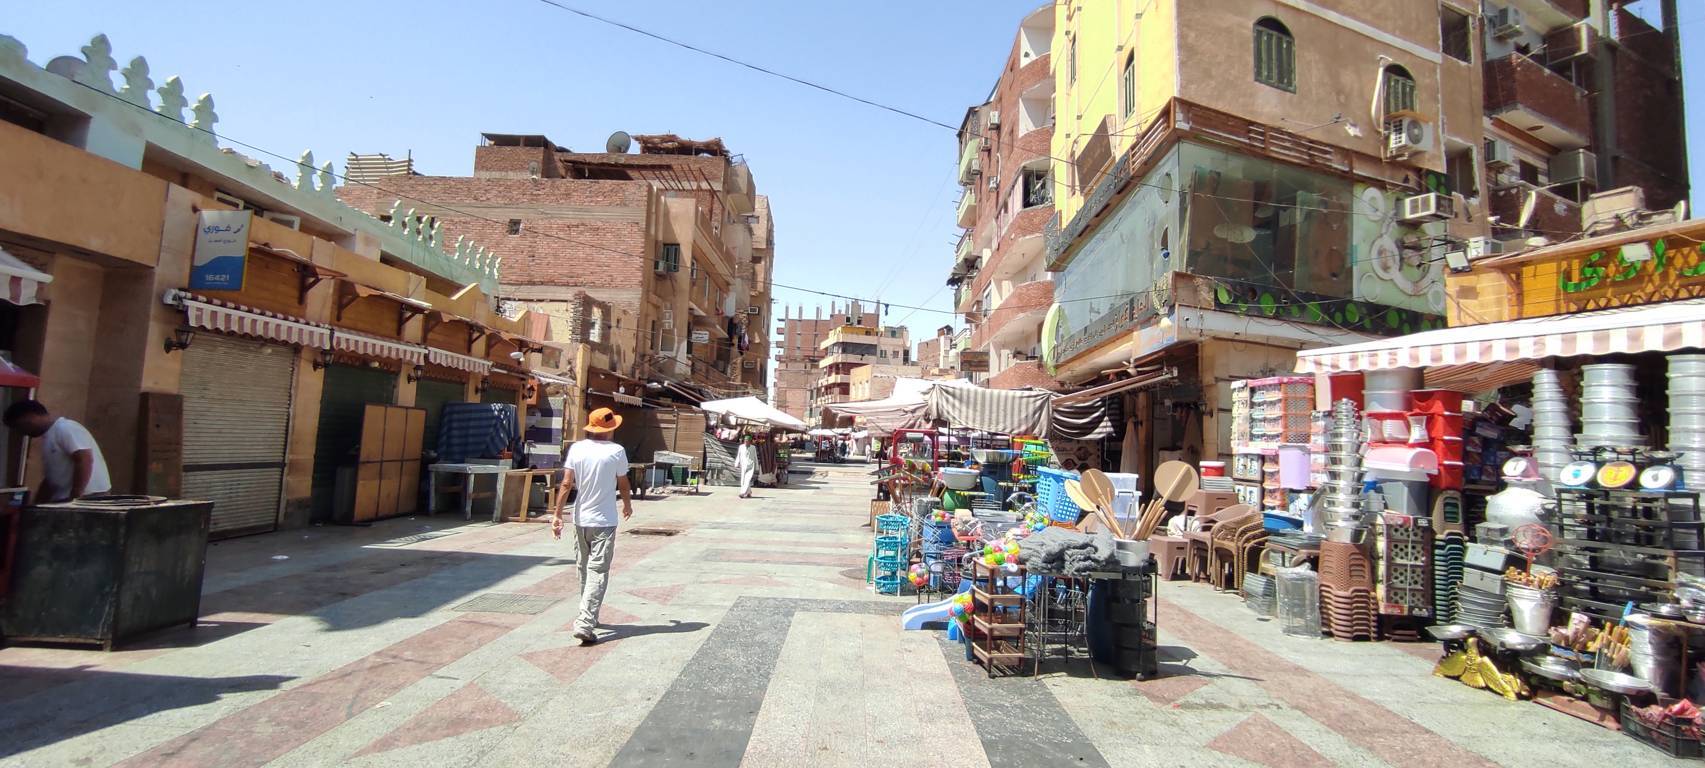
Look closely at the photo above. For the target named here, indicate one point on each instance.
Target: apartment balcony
(1553, 215)
(839, 359)
(969, 164)
(833, 379)
(738, 187)
(1020, 312)
(1523, 93)
(967, 207)
(1028, 373)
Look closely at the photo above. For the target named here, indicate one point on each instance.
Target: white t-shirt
(596, 464)
(58, 443)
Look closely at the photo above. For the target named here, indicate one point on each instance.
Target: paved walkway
(740, 633)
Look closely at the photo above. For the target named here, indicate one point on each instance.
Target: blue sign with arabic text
(221, 251)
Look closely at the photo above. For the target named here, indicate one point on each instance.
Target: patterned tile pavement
(748, 639)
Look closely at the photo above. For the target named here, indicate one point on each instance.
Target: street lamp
(180, 339)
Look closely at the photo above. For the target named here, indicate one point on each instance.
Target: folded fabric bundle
(1062, 550)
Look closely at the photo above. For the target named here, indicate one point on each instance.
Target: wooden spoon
(1176, 481)
(1099, 488)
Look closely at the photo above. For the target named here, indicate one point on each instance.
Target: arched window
(1275, 55)
(1399, 90)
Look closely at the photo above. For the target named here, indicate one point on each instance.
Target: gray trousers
(596, 547)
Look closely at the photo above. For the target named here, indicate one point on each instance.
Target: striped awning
(552, 378)
(1652, 328)
(458, 361)
(226, 317)
(373, 346)
(22, 281)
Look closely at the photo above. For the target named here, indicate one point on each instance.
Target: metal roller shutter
(236, 426)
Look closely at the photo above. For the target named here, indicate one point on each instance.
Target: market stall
(737, 418)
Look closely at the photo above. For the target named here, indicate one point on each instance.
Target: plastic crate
(889, 585)
(893, 524)
(1051, 497)
(1666, 739)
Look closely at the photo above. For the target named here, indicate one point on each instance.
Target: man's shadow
(625, 631)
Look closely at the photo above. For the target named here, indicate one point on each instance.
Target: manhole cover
(856, 574)
(499, 602)
(654, 531)
(403, 541)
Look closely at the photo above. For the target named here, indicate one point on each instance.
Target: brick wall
(514, 162)
(574, 233)
(1650, 134)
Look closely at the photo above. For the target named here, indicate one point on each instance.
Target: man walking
(71, 462)
(599, 468)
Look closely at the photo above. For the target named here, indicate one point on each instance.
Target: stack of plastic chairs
(890, 553)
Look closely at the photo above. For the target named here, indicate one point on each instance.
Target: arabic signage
(971, 361)
(1606, 278)
(699, 337)
(221, 251)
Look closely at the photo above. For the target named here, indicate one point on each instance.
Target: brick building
(800, 353)
(673, 238)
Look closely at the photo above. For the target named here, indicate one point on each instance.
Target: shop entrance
(347, 391)
(431, 395)
(236, 401)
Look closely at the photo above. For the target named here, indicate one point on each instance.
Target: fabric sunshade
(458, 361)
(215, 315)
(1018, 412)
(752, 410)
(372, 346)
(11, 375)
(551, 378)
(1653, 328)
(22, 280)
(1123, 385)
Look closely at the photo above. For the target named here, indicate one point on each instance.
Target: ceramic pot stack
(1552, 429)
(1687, 416)
(1343, 488)
(1609, 406)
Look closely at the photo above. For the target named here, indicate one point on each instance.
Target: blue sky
(863, 198)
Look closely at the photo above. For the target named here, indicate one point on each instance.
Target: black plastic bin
(103, 570)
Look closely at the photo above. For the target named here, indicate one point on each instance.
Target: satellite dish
(1680, 211)
(619, 143)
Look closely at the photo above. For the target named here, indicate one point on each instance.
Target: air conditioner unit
(1481, 247)
(754, 310)
(288, 220)
(1428, 207)
(1406, 135)
(994, 184)
(749, 364)
(667, 320)
(983, 143)
(976, 166)
(1506, 23)
(1575, 166)
(1499, 154)
(994, 118)
(231, 200)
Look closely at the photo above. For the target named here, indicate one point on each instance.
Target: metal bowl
(1664, 610)
(1511, 640)
(1615, 682)
(1553, 668)
(1450, 631)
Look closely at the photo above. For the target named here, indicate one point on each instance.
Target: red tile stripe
(1389, 736)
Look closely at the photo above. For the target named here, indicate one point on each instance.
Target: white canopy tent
(751, 410)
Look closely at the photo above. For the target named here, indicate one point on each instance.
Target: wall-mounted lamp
(530, 390)
(318, 362)
(482, 386)
(180, 339)
(415, 373)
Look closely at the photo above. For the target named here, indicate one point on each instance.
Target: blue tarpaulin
(477, 431)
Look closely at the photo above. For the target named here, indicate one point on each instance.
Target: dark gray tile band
(1018, 719)
(706, 717)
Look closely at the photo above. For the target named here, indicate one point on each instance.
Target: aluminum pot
(1346, 533)
(1597, 410)
(1603, 373)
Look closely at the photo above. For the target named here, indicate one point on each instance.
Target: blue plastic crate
(1273, 521)
(890, 564)
(1051, 497)
(889, 585)
(893, 524)
(890, 547)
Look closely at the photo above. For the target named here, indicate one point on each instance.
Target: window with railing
(1037, 185)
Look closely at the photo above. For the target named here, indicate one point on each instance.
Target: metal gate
(236, 428)
(431, 395)
(346, 393)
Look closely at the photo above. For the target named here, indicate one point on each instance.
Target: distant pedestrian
(71, 461)
(599, 468)
(746, 463)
